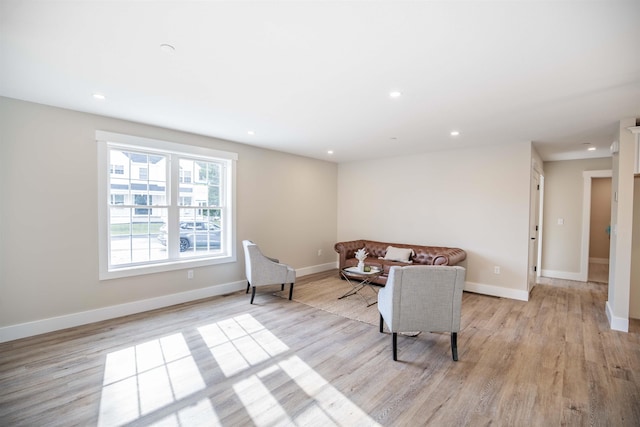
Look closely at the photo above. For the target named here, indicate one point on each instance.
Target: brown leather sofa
(422, 255)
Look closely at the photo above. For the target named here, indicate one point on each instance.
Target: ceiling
(311, 76)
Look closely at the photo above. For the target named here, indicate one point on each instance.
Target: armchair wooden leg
(282, 287)
(253, 293)
(395, 346)
(248, 285)
(381, 323)
(290, 291)
(454, 345)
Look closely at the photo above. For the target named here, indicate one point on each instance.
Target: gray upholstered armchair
(422, 298)
(262, 270)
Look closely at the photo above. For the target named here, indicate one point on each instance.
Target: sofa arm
(449, 256)
(347, 250)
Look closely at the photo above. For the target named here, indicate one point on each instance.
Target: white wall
(622, 228)
(563, 198)
(49, 230)
(476, 199)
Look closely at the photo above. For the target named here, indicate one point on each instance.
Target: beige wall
(634, 306)
(563, 193)
(600, 219)
(48, 213)
(476, 199)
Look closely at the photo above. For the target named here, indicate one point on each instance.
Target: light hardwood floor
(547, 362)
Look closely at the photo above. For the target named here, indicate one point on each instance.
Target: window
(117, 199)
(143, 173)
(117, 169)
(185, 176)
(149, 221)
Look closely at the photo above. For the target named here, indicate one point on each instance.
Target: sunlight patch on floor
(160, 381)
(239, 343)
(328, 399)
(141, 379)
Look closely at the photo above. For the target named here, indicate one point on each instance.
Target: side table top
(355, 271)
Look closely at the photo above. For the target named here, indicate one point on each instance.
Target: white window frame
(107, 140)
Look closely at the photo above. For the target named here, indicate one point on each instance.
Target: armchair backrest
(426, 298)
(262, 270)
(247, 257)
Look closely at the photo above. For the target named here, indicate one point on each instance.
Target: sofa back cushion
(425, 255)
(399, 254)
(379, 249)
(421, 254)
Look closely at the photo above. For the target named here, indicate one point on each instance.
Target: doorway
(535, 226)
(587, 207)
(599, 230)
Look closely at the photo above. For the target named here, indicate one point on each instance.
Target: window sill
(130, 271)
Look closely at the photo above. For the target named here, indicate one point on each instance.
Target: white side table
(359, 280)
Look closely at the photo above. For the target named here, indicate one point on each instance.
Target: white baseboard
(37, 327)
(316, 269)
(496, 291)
(565, 275)
(616, 323)
(599, 260)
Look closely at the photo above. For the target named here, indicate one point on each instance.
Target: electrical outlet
(496, 270)
(319, 252)
(189, 274)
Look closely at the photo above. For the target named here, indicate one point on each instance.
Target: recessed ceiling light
(591, 149)
(330, 152)
(167, 48)
(395, 94)
(99, 96)
(455, 133)
(250, 132)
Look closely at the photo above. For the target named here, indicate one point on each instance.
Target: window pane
(214, 196)
(141, 181)
(200, 225)
(199, 233)
(134, 238)
(205, 190)
(138, 195)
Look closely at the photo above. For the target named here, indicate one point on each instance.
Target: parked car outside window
(194, 234)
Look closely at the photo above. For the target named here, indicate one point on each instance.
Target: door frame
(536, 200)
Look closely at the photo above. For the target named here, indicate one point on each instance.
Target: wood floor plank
(549, 361)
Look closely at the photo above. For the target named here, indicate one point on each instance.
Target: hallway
(598, 272)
